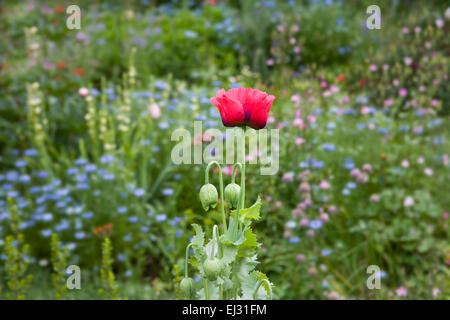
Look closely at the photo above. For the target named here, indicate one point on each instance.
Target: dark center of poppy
(247, 116)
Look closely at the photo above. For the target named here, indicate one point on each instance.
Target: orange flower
(383, 156)
(340, 78)
(78, 71)
(61, 65)
(97, 230)
(59, 9)
(103, 230)
(107, 228)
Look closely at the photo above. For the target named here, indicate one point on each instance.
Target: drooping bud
(187, 287)
(212, 268)
(232, 193)
(208, 196)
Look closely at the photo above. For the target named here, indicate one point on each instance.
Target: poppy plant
(225, 274)
(243, 107)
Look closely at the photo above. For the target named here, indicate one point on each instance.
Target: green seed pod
(208, 196)
(232, 193)
(187, 287)
(212, 268)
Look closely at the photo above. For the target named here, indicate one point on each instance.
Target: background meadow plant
(86, 118)
(17, 259)
(59, 263)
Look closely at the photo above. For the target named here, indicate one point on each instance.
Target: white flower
(407, 60)
(447, 13)
(409, 201)
(405, 163)
(439, 23)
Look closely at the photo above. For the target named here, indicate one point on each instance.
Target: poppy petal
(231, 111)
(258, 117)
(243, 106)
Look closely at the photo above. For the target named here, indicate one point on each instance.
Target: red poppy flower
(243, 107)
(59, 9)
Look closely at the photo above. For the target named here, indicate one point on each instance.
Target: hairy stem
(205, 287)
(216, 239)
(186, 260)
(259, 285)
(222, 208)
(243, 173)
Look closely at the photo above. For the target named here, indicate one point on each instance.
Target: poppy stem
(235, 166)
(217, 241)
(241, 203)
(243, 172)
(186, 260)
(222, 208)
(205, 287)
(269, 285)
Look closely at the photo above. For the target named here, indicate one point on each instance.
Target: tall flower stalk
(226, 263)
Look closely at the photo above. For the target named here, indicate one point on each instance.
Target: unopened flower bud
(208, 196)
(212, 268)
(187, 287)
(232, 193)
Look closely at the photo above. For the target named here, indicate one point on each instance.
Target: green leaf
(199, 251)
(242, 268)
(234, 239)
(228, 284)
(229, 253)
(248, 214)
(250, 283)
(249, 244)
(250, 239)
(199, 238)
(213, 292)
